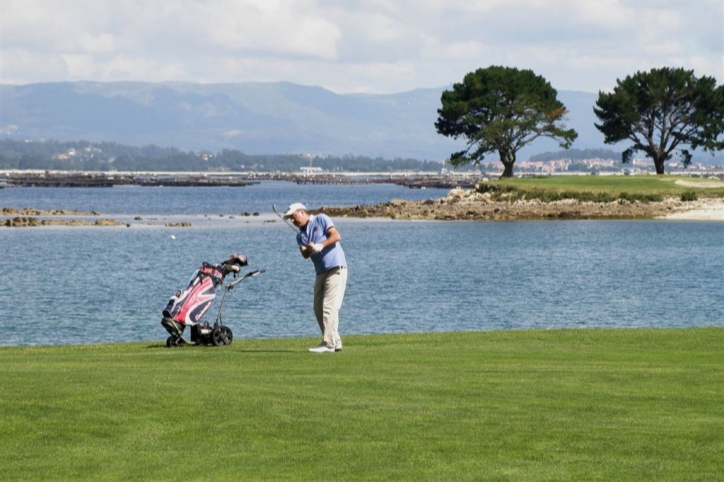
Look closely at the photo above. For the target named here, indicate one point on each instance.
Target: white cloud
(469, 51)
(276, 27)
(356, 45)
(608, 14)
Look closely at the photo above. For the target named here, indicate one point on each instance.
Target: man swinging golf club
(319, 239)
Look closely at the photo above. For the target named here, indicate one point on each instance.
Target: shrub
(687, 196)
(641, 197)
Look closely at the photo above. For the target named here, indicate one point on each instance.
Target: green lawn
(614, 185)
(578, 405)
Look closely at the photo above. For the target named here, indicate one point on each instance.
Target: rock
(481, 206)
(31, 221)
(107, 222)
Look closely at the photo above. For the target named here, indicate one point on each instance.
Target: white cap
(293, 208)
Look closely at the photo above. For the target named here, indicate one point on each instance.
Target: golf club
(294, 228)
(284, 219)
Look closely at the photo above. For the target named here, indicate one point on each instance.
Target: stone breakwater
(474, 206)
(41, 212)
(30, 221)
(29, 217)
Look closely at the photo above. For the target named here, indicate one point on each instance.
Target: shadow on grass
(271, 351)
(188, 347)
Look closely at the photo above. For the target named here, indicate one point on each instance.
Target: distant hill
(255, 118)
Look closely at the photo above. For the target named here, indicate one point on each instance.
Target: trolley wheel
(228, 335)
(173, 341)
(221, 336)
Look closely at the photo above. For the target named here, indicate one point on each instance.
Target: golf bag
(187, 307)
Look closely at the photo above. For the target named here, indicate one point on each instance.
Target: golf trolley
(187, 307)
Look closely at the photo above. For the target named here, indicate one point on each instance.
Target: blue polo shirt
(316, 232)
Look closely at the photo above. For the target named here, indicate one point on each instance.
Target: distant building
(310, 170)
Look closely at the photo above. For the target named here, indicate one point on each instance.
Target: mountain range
(255, 118)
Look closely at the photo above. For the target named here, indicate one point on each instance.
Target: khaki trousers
(329, 288)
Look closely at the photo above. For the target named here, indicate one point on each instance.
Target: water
(207, 200)
(96, 285)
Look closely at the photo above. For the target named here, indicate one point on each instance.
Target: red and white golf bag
(187, 307)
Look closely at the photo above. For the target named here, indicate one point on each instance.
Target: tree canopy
(501, 110)
(663, 111)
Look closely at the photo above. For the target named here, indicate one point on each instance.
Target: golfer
(319, 239)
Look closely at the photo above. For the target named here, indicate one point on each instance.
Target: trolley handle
(256, 272)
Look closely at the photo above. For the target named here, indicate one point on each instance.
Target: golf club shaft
(284, 219)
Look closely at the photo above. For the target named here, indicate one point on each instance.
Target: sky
(356, 46)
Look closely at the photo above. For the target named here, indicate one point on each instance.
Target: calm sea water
(207, 200)
(82, 285)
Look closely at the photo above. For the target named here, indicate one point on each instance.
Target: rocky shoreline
(458, 205)
(30, 221)
(31, 217)
(474, 206)
(41, 212)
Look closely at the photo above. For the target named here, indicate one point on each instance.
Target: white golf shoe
(321, 348)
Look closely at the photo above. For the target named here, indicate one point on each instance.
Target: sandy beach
(709, 210)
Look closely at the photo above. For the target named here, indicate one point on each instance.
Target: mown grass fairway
(522, 405)
(665, 186)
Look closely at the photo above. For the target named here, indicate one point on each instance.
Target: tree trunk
(507, 170)
(659, 164)
(507, 157)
